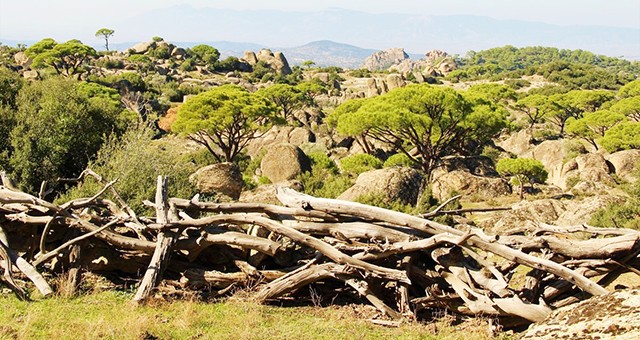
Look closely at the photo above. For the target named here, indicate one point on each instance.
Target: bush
(136, 161)
(324, 179)
(357, 164)
(616, 215)
(517, 84)
(399, 159)
(379, 200)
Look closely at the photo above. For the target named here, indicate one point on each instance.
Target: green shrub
(136, 161)
(248, 167)
(262, 180)
(492, 153)
(379, 200)
(201, 157)
(320, 160)
(324, 179)
(357, 164)
(399, 159)
(517, 84)
(616, 215)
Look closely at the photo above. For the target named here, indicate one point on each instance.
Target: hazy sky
(66, 19)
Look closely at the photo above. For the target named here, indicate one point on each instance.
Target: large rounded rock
(526, 214)
(280, 134)
(594, 168)
(552, 154)
(611, 316)
(477, 165)
(284, 162)
(625, 164)
(463, 182)
(581, 212)
(395, 81)
(394, 184)
(222, 178)
(22, 59)
(143, 47)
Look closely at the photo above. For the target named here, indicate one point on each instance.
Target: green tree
(105, 33)
(350, 107)
(593, 125)
(534, 107)
(573, 104)
(629, 107)
(225, 118)
(433, 121)
(288, 98)
(631, 89)
(623, 136)
(308, 64)
(205, 54)
(522, 170)
(67, 59)
(58, 128)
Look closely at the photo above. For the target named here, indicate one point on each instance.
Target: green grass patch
(112, 315)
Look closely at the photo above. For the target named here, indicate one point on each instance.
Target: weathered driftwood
(164, 243)
(290, 197)
(401, 264)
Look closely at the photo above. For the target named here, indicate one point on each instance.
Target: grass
(111, 315)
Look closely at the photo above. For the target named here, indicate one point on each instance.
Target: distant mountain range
(225, 28)
(415, 32)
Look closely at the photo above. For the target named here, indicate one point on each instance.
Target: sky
(67, 19)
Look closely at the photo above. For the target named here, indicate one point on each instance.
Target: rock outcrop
(625, 164)
(281, 134)
(21, 59)
(221, 178)
(393, 184)
(611, 316)
(382, 60)
(463, 182)
(276, 61)
(284, 162)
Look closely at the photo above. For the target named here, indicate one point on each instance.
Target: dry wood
(428, 264)
(295, 235)
(164, 244)
(199, 278)
(289, 283)
(290, 197)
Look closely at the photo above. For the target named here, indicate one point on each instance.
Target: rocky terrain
(308, 151)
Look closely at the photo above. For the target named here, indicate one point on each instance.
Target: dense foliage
(57, 126)
(224, 120)
(571, 68)
(435, 121)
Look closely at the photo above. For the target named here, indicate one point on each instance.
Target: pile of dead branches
(404, 265)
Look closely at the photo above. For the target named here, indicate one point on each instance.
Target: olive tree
(522, 170)
(225, 119)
